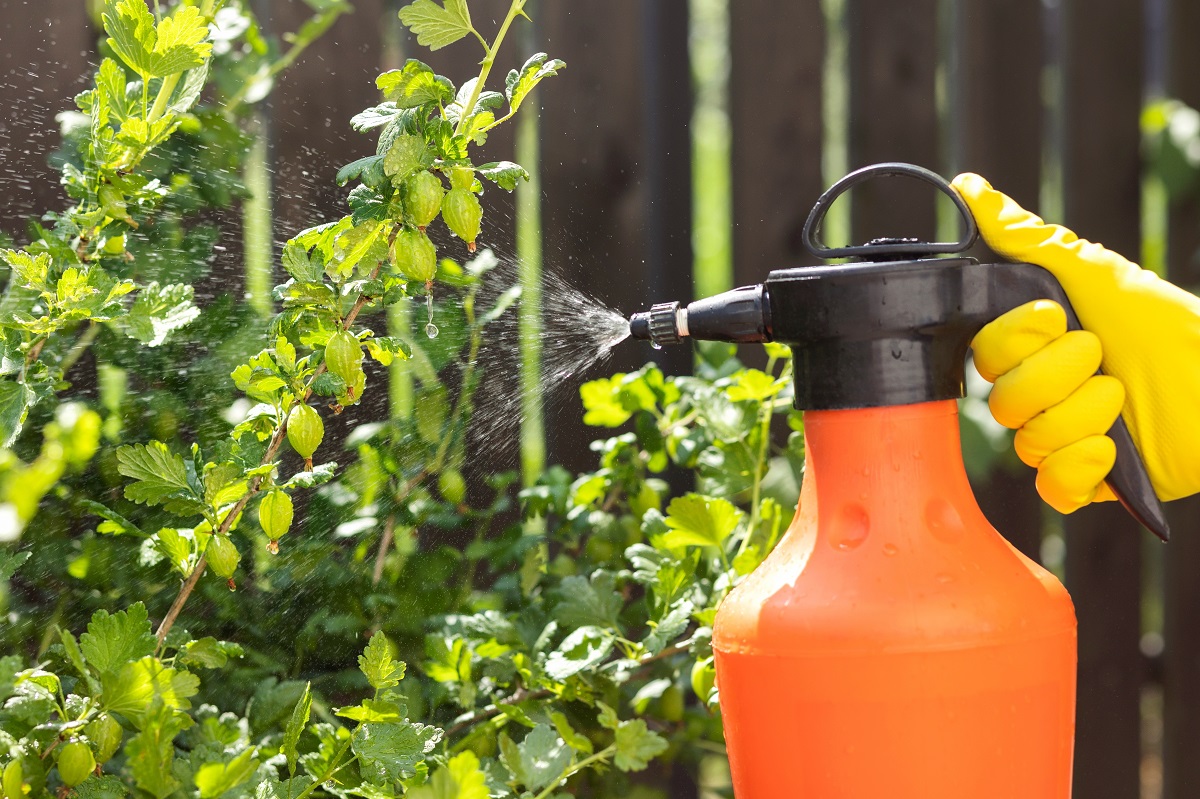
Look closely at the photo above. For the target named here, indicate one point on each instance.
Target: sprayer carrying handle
(883, 248)
(1014, 284)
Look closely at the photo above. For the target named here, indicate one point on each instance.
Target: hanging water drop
(431, 329)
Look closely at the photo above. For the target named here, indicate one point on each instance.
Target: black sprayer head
(893, 330)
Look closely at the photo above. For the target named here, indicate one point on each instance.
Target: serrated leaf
(208, 653)
(299, 265)
(461, 778)
(161, 477)
(377, 664)
(176, 45)
(105, 786)
(159, 310)
(697, 520)
(504, 174)
(214, 779)
(585, 603)
(112, 640)
(391, 751)
(670, 628)
(319, 475)
(30, 271)
(518, 85)
(437, 26)
(386, 349)
(607, 717)
(544, 757)
(375, 117)
(146, 684)
(373, 711)
(413, 85)
(15, 401)
(295, 727)
(11, 561)
(355, 168)
(583, 649)
(580, 743)
(637, 745)
(150, 754)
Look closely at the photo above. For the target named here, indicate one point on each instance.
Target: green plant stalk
(257, 245)
(165, 90)
(529, 311)
(489, 58)
(400, 375)
(575, 768)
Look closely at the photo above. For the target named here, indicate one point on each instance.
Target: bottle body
(894, 644)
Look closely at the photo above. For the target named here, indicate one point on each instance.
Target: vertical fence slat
(996, 123)
(777, 50)
(893, 113)
(596, 186)
(1102, 80)
(1181, 656)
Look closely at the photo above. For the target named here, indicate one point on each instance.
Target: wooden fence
(949, 84)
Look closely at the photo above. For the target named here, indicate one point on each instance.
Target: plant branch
(189, 585)
(575, 768)
(489, 58)
(389, 531)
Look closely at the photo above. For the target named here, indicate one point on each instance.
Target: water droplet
(890, 549)
(944, 578)
(431, 330)
(850, 528)
(656, 345)
(943, 520)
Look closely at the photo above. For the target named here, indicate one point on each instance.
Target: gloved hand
(1143, 331)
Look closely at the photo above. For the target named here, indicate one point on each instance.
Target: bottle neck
(900, 462)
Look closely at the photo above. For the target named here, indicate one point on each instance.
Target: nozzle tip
(639, 325)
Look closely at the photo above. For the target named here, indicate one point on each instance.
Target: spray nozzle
(742, 315)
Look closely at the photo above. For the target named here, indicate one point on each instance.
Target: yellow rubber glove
(1143, 331)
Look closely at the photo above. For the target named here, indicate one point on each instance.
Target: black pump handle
(886, 247)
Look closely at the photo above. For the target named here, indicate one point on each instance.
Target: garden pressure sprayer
(893, 644)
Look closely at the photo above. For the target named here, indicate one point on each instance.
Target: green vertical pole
(257, 244)
(712, 175)
(529, 260)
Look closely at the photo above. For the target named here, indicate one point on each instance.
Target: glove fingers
(1011, 338)
(1045, 378)
(1071, 477)
(1090, 410)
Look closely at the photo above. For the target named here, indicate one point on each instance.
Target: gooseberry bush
(394, 627)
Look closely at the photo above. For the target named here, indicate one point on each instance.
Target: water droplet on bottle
(656, 345)
(851, 527)
(944, 578)
(890, 549)
(431, 330)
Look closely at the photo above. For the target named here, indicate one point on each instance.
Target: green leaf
(295, 727)
(354, 169)
(437, 26)
(697, 520)
(583, 649)
(145, 684)
(595, 603)
(385, 349)
(637, 745)
(670, 628)
(15, 401)
(756, 385)
(504, 174)
(214, 779)
(103, 787)
(518, 85)
(30, 271)
(208, 653)
(391, 751)
(414, 85)
(607, 717)
(406, 155)
(461, 778)
(177, 44)
(580, 743)
(113, 640)
(150, 754)
(375, 117)
(161, 478)
(377, 664)
(11, 561)
(320, 474)
(159, 310)
(544, 757)
(299, 266)
(373, 711)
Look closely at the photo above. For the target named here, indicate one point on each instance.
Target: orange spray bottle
(894, 645)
